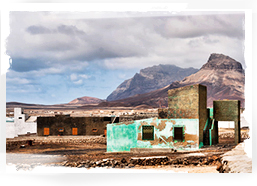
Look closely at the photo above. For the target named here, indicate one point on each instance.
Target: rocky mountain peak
(220, 61)
(150, 79)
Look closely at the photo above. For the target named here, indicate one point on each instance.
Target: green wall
(123, 137)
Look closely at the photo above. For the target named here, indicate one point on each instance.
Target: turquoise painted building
(181, 134)
(180, 126)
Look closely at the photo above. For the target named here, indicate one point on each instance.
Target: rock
(219, 167)
(123, 160)
(131, 165)
(80, 166)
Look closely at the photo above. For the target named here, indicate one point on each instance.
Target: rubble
(244, 135)
(146, 161)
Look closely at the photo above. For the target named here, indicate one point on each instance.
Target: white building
(21, 124)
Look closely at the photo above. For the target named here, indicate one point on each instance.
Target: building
(67, 125)
(186, 124)
(20, 124)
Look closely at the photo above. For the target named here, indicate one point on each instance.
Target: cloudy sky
(59, 56)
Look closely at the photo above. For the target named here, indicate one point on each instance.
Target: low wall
(38, 140)
(10, 130)
(14, 130)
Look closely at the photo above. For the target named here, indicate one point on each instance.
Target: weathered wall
(187, 102)
(121, 137)
(228, 110)
(124, 136)
(137, 117)
(184, 102)
(84, 125)
(203, 113)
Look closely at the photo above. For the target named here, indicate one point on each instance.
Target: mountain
(223, 76)
(19, 104)
(149, 79)
(86, 100)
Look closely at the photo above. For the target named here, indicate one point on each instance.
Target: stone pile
(145, 161)
(71, 140)
(244, 135)
(14, 143)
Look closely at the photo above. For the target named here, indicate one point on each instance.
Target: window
(178, 134)
(94, 130)
(46, 131)
(148, 132)
(20, 117)
(107, 119)
(74, 131)
(60, 130)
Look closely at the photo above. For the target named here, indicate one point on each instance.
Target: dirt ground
(79, 152)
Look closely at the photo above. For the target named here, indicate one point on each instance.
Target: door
(74, 131)
(46, 131)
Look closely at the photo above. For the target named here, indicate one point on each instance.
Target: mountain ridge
(149, 79)
(226, 82)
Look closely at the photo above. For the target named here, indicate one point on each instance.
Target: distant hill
(18, 104)
(223, 76)
(86, 100)
(149, 79)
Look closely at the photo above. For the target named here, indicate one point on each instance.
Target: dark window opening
(107, 119)
(117, 119)
(148, 132)
(61, 130)
(178, 134)
(94, 130)
(20, 117)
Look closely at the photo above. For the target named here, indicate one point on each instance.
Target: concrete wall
(84, 125)
(202, 112)
(228, 110)
(124, 136)
(189, 102)
(10, 130)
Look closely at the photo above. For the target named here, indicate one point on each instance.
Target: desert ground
(89, 152)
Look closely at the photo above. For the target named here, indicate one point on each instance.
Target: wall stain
(161, 125)
(139, 136)
(156, 140)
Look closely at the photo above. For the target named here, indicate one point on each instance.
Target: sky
(56, 57)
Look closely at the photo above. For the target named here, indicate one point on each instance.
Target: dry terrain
(90, 152)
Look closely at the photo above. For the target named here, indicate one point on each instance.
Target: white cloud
(73, 77)
(79, 82)
(18, 81)
(60, 40)
(53, 52)
(84, 76)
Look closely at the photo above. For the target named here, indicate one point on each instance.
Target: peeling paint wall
(123, 137)
(187, 102)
